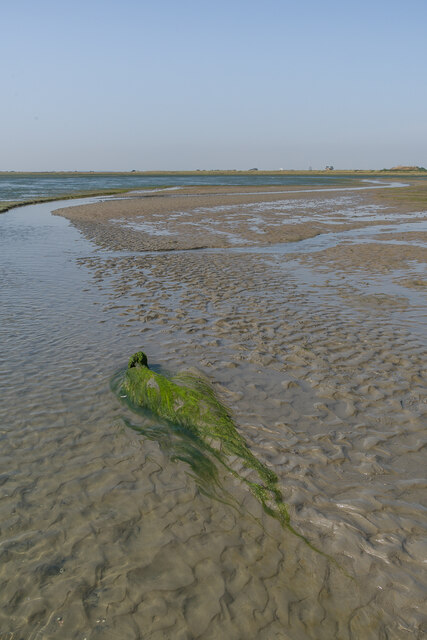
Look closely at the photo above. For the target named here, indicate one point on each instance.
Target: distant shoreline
(7, 205)
(220, 172)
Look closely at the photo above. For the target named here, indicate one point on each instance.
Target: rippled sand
(321, 357)
(225, 217)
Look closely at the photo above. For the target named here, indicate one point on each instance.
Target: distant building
(254, 169)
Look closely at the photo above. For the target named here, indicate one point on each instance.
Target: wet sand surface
(195, 218)
(318, 348)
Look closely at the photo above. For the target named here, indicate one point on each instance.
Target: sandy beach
(213, 305)
(306, 312)
(320, 353)
(217, 217)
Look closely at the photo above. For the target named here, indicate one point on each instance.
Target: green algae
(189, 402)
(197, 429)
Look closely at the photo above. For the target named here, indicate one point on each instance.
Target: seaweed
(188, 401)
(197, 429)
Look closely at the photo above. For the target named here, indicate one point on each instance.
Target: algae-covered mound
(188, 401)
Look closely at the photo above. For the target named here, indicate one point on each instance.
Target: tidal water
(106, 528)
(27, 187)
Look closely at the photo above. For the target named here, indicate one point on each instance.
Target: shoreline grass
(7, 205)
(228, 172)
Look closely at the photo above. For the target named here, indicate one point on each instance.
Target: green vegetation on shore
(414, 172)
(6, 205)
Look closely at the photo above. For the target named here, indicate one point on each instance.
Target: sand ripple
(105, 533)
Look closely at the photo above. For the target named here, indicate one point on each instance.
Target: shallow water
(24, 187)
(106, 533)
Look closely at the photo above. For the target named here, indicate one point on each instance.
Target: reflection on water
(109, 531)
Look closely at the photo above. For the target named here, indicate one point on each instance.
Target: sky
(130, 84)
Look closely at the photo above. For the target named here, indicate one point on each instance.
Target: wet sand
(218, 217)
(316, 350)
(319, 353)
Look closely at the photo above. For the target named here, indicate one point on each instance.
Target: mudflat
(219, 217)
(306, 312)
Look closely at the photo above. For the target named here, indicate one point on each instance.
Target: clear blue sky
(102, 84)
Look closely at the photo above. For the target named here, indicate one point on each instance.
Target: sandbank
(320, 354)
